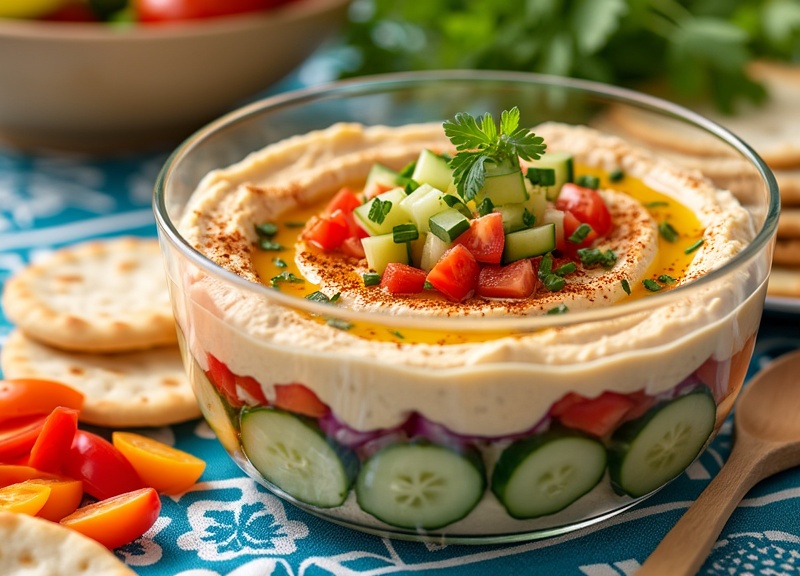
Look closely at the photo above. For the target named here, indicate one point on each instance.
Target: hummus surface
(371, 384)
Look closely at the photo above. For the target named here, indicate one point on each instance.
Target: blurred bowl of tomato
(110, 75)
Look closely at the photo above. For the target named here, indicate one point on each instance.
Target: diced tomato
(299, 399)
(103, 469)
(565, 403)
(516, 280)
(345, 200)
(352, 247)
(223, 380)
(328, 231)
(455, 274)
(586, 205)
(485, 238)
(252, 388)
(598, 416)
(403, 279)
(18, 435)
(51, 448)
(152, 11)
(24, 397)
(571, 224)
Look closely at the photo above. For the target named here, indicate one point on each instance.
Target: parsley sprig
(479, 142)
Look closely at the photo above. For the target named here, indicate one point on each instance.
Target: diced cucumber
(396, 214)
(433, 169)
(503, 185)
(646, 453)
(382, 250)
(290, 452)
(555, 217)
(536, 203)
(425, 207)
(383, 176)
(514, 217)
(432, 251)
(529, 243)
(407, 202)
(448, 225)
(420, 486)
(545, 473)
(564, 166)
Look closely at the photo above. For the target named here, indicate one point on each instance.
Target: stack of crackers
(97, 316)
(771, 129)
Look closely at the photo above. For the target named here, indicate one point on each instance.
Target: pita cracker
(784, 281)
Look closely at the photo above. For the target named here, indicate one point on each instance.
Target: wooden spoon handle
(685, 548)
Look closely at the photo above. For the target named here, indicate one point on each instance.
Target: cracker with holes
(36, 547)
(140, 388)
(103, 296)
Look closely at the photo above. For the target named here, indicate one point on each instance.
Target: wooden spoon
(767, 441)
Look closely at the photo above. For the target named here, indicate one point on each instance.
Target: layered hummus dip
(472, 330)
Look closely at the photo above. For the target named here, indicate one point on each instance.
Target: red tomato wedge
(18, 435)
(117, 521)
(223, 380)
(586, 205)
(299, 399)
(516, 280)
(455, 274)
(252, 389)
(403, 279)
(485, 238)
(160, 466)
(328, 231)
(345, 200)
(23, 397)
(51, 448)
(598, 416)
(153, 11)
(103, 469)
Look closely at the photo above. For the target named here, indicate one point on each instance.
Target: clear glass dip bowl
(464, 429)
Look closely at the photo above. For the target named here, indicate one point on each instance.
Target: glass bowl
(453, 422)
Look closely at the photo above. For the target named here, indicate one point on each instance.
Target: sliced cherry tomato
(18, 435)
(571, 224)
(403, 279)
(516, 280)
(299, 399)
(328, 231)
(586, 205)
(117, 521)
(455, 274)
(485, 238)
(162, 467)
(14, 474)
(598, 416)
(172, 10)
(223, 380)
(24, 498)
(51, 448)
(23, 397)
(353, 247)
(65, 496)
(103, 469)
(345, 200)
(252, 389)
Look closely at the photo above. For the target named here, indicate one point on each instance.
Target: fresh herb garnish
(285, 277)
(667, 231)
(693, 247)
(666, 279)
(528, 219)
(318, 296)
(626, 286)
(371, 278)
(541, 176)
(279, 262)
(616, 175)
(478, 145)
(560, 309)
(397, 334)
(427, 286)
(587, 181)
(266, 229)
(486, 206)
(379, 209)
(565, 269)
(270, 246)
(590, 257)
(403, 233)
(338, 323)
(580, 233)
(651, 285)
(294, 224)
(656, 204)
(551, 280)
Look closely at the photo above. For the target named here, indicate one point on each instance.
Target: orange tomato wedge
(15, 473)
(118, 520)
(163, 467)
(65, 496)
(25, 397)
(24, 498)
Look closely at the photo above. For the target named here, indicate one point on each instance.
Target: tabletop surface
(227, 525)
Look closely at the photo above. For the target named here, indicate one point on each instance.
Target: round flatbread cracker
(789, 185)
(104, 296)
(36, 547)
(789, 223)
(784, 282)
(144, 388)
(787, 252)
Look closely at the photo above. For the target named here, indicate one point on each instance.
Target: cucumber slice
(448, 224)
(502, 186)
(382, 250)
(646, 453)
(383, 175)
(433, 169)
(420, 485)
(396, 214)
(564, 166)
(514, 217)
(537, 203)
(292, 453)
(545, 473)
(529, 243)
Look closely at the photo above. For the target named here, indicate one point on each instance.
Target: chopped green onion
(397, 334)
(378, 210)
(318, 297)
(407, 170)
(666, 279)
(410, 185)
(553, 283)
(336, 296)
(528, 219)
(294, 224)
(667, 231)
(270, 246)
(266, 229)
(338, 323)
(587, 181)
(371, 278)
(285, 277)
(616, 175)
(626, 286)
(403, 233)
(541, 176)
(693, 247)
(594, 256)
(565, 269)
(580, 233)
(279, 262)
(560, 309)
(427, 286)
(651, 285)
(485, 207)
(546, 265)
(656, 204)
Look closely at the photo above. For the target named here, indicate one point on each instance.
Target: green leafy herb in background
(693, 49)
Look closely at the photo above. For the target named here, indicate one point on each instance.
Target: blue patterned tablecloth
(229, 526)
